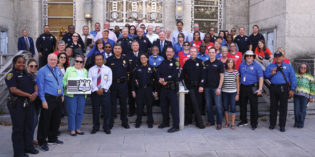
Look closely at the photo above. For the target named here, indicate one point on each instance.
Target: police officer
(143, 41)
(101, 81)
(252, 79)
(119, 89)
(168, 77)
(45, 44)
(283, 84)
(125, 41)
(242, 41)
(192, 74)
(142, 89)
(50, 91)
(23, 92)
(77, 47)
(134, 62)
(202, 52)
(68, 36)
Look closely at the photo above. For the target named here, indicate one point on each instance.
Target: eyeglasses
(33, 66)
(63, 57)
(78, 61)
(186, 45)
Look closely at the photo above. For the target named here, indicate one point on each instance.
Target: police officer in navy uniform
(68, 36)
(243, 42)
(283, 84)
(45, 44)
(119, 89)
(142, 89)
(125, 41)
(143, 41)
(168, 77)
(134, 62)
(252, 79)
(192, 74)
(23, 91)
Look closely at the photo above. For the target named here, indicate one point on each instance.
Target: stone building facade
(285, 23)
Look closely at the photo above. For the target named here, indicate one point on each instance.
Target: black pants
(22, 126)
(131, 100)
(49, 120)
(144, 97)
(246, 93)
(193, 106)
(119, 91)
(169, 98)
(278, 94)
(101, 103)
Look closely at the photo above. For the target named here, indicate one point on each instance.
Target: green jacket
(71, 73)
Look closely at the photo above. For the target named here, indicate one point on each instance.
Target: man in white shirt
(87, 38)
(175, 33)
(151, 35)
(101, 76)
(196, 29)
(111, 35)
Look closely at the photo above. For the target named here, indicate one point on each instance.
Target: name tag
(59, 91)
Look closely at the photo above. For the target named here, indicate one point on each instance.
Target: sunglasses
(78, 61)
(33, 66)
(108, 47)
(63, 57)
(186, 45)
(249, 56)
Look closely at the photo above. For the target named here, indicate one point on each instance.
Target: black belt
(120, 80)
(52, 96)
(145, 86)
(251, 85)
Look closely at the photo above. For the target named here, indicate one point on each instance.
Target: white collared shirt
(111, 36)
(106, 75)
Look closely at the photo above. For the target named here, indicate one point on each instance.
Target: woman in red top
(207, 41)
(235, 55)
(184, 55)
(262, 52)
(197, 41)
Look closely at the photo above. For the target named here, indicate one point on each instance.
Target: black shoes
(254, 127)
(93, 131)
(24, 155)
(282, 129)
(44, 147)
(163, 125)
(171, 130)
(150, 125)
(137, 125)
(107, 132)
(240, 124)
(79, 133)
(125, 125)
(271, 127)
(33, 151)
(56, 142)
(201, 126)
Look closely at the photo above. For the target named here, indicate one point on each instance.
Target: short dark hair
(307, 68)
(16, 58)
(99, 54)
(118, 44)
(170, 47)
(179, 22)
(256, 26)
(211, 49)
(66, 63)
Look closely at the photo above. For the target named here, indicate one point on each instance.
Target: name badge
(105, 77)
(59, 91)
(244, 79)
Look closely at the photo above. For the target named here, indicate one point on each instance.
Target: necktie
(99, 78)
(27, 44)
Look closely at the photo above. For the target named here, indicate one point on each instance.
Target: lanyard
(53, 74)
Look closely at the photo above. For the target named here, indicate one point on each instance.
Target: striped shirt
(229, 82)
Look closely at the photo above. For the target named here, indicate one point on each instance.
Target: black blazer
(166, 45)
(22, 44)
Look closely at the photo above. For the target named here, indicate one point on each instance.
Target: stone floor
(190, 142)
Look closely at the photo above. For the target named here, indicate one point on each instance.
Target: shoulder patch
(9, 76)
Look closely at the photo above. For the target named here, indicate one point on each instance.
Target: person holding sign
(101, 76)
(75, 102)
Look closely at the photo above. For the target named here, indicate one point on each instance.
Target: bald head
(52, 60)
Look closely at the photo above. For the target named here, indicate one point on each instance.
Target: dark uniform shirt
(168, 70)
(23, 81)
(213, 38)
(144, 44)
(46, 44)
(68, 39)
(143, 76)
(254, 40)
(77, 49)
(212, 74)
(120, 67)
(125, 44)
(133, 62)
(192, 73)
(242, 43)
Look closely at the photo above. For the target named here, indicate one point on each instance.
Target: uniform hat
(106, 30)
(278, 54)
(249, 53)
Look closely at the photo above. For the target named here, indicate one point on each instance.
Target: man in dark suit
(26, 43)
(162, 44)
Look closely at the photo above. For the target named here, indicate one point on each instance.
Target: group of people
(141, 68)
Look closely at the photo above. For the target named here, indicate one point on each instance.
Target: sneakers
(240, 124)
(44, 147)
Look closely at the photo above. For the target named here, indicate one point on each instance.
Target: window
(269, 39)
(3, 42)
(208, 13)
(58, 14)
(120, 12)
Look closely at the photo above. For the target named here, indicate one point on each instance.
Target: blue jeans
(229, 102)
(300, 103)
(75, 108)
(210, 96)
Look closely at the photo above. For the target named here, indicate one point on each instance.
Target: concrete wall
(7, 22)
(236, 14)
(300, 30)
